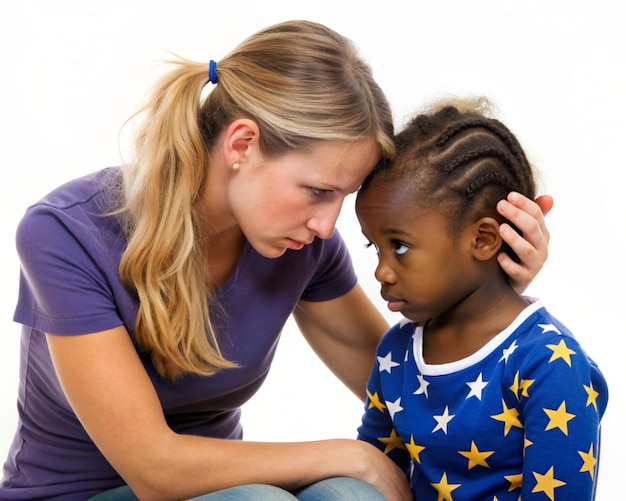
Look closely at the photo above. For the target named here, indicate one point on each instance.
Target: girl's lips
(395, 305)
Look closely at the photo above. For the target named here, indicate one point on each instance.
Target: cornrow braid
(488, 151)
(459, 159)
(487, 123)
(491, 177)
(494, 126)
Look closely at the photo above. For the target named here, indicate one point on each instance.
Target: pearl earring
(236, 166)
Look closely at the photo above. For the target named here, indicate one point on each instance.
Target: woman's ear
(487, 239)
(241, 141)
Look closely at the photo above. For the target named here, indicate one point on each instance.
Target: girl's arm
(115, 401)
(561, 407)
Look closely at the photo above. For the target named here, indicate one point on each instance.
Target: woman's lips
(295, 244)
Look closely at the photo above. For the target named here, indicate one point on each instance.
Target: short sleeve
(64, 280)
(334, 273)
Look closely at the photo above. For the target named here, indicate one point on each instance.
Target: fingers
(545, 202)
(532, 246)
(528, 217)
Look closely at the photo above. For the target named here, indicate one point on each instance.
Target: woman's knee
(123, 493)
(340, 489)
(253, 492)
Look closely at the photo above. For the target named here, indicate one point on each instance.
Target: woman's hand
(532, 247)
(379, 470)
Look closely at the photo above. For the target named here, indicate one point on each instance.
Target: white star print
(423, 389)
(394, 407)
(442, 421)
(386, 364)
(549, 328)
(507, 351)
(477, 387)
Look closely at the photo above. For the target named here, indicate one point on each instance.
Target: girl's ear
(241, 141)
(487, 239)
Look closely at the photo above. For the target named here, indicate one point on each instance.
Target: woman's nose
(323, 222)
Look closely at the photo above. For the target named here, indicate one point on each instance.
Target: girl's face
(285, 202)
(423, 271)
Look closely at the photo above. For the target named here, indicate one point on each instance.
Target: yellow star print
(558, 418)
(524, 385)
(444, 489)
(561, 351)
(475, 457)
(527, 443)
(547, 483)
(392, 442)
(589, 462)
(414, 450)
(520, 386)
(509, 417)
(592, 395)
(375, 401)
(515, 481)
(515, 386)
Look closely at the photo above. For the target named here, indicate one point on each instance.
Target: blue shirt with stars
(520, 417)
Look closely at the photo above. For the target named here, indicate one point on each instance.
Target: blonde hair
(301, 83)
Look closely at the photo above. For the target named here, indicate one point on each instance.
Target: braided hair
(460, 160)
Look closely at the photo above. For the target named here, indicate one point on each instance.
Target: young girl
(480, 393)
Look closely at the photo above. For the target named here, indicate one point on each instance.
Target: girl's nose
(384, 274)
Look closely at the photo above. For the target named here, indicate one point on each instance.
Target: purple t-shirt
(69, 285)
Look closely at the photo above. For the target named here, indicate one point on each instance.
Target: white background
(74, 70)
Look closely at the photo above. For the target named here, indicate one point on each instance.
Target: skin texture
(275, 204)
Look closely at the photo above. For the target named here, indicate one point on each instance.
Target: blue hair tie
(212, 72)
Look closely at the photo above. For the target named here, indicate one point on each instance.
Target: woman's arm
(115, 401)
(532, 247)
(344, 332)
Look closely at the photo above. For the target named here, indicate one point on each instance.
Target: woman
(131, 377)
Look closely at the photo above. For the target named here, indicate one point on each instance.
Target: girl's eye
(399, 248)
